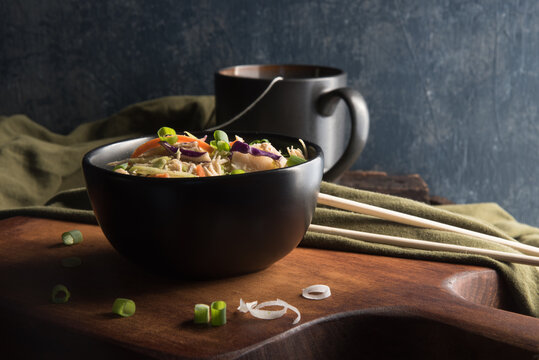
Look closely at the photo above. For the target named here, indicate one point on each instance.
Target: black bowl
(207, 227)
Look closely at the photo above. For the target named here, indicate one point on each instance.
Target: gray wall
(452, 86)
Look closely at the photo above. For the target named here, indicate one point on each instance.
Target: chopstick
(425, 245)
(395, 216)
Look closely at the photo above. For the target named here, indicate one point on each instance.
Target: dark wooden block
(410, 186)
(381, 307)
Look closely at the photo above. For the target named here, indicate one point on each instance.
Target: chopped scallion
(220, 135)
(123, 307)
(71, 262)
(72, 237)
(167, 134)
(259, 141)
(218, 313)
(121, 166)
(237, 172)
(202, 314)
(147, 170)
(60, 294)
(294, 160)
(190, 135)
(223, 145)
(159, 162)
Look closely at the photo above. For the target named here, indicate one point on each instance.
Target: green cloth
(41, 176)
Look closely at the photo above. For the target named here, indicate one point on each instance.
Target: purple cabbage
(191, 153)
(246, 149)
(173, 150)
(170, 148)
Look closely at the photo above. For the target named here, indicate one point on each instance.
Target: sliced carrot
(150, 144)
(200, 171)
(163, 175)
(145, 147)
(201, 144)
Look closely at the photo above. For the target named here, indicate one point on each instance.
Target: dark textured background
(452, 86)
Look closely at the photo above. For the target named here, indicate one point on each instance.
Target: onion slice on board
(255, 309)
(316, 292)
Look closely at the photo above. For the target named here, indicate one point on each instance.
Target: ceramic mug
(302, 101)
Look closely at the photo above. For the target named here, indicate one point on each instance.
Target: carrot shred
(201, 144)
(145, 147)
(150, 144)
(163, 175)
(200, 171)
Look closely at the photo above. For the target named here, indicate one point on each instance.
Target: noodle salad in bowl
(156, 211)
(173, 155)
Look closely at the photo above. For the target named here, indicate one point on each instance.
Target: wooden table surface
(381, 307)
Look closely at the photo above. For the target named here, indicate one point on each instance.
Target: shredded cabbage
(173, 155)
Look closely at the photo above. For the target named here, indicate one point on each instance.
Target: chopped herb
(218, 313)
(72, 237)
(60, 294)
(123, 307)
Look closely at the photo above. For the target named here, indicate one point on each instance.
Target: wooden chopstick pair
(530, 254)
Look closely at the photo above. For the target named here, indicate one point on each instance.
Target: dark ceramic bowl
(204, 227)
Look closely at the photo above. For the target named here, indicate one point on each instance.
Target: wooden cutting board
(380, 307)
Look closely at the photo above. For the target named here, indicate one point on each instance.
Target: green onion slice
(237, 172)
(223, 145)
(190, 135)
(148, 170)
(220, 135)
(259, 141)
(159, 162)
(71, 262)
(294, 160)
(218, 313)
(121, 166)
(167, 134)
(72, 237)
(123, 307)
(60, 294)
(202, 314)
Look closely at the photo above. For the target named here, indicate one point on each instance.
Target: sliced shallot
(256, 310)
(316, 292)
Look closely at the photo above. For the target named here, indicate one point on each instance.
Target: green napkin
(41, 176)
(488, 218)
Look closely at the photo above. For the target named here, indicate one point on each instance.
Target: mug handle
(359, 116)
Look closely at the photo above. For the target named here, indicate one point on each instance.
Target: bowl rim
(87, 157)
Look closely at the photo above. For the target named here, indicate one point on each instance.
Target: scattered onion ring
(257, 312)
(316, 292)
